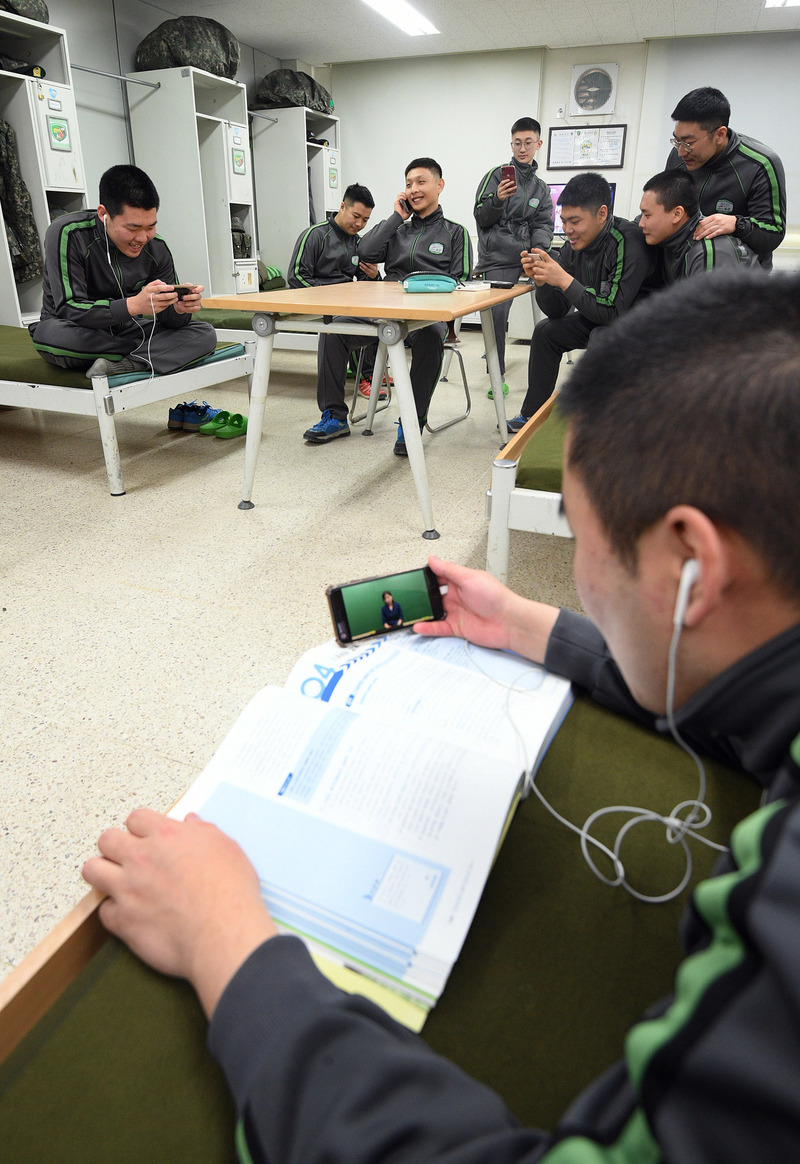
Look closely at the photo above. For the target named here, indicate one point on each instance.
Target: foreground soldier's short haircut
(693, 398)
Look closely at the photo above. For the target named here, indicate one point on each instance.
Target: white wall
(457, 109)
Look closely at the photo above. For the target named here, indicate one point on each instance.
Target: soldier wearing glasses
(512, 215)
(740, 181)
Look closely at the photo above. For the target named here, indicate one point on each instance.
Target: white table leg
(264, 327)
(493, 366)
(392, 335)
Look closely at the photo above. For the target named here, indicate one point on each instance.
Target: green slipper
(236, 426)
(506, 390)
(212, 427)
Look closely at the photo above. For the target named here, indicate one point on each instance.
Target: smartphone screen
(375, 606)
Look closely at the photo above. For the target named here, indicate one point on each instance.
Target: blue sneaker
(177, 413)
(517, 423)
(327, 428)
(400, 444)
(195, 414)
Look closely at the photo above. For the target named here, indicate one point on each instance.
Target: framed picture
(586, 147)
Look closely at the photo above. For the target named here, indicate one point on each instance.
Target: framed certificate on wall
(586, 147)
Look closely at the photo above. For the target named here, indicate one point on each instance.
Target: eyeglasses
(531, 141)
(688, 146)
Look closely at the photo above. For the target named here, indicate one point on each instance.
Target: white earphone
(145, 337)
(685, 821)
(689, 575)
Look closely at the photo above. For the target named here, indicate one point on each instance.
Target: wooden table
(388, 313)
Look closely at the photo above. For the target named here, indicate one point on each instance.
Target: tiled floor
(135, 628)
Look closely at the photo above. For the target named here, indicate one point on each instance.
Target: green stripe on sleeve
(778, 224)
(698, 973)
(242, 1149)
(608, 301)
(63, 263)
(300, 250)
(486, 181)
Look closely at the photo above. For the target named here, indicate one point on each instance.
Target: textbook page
(490, 701)
(370, 838)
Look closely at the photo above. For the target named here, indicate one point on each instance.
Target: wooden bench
(525, 491)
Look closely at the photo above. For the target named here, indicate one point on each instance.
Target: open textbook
(371, 793)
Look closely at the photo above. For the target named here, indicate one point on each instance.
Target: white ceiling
(333, 31)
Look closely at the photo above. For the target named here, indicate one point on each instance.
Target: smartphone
(508, 174)
(375, 606)
(406, 206)
(502, 283)
(182, 291)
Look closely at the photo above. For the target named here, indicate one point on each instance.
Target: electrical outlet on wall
(560, 110)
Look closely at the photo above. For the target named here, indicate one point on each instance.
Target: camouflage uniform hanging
(23, 238)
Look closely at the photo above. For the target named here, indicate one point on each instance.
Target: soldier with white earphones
(112, 301)
(682, 486)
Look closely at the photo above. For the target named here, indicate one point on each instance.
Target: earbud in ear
(689, 575)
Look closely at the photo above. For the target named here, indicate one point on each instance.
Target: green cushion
(19, 360)
(225, 320)
(540, 464)
(223, 351)
(555, 968)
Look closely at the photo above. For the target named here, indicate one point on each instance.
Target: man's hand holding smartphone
(508, 182)
(188, 297)
(388, 602)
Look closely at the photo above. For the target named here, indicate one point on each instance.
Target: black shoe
(400, 444)
(103, 367)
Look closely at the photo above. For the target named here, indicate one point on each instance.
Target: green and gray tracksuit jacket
(83, 287)
(433, 243)
(710, 1075)
(684, 255)
(607, 276)
(523, 221)
(747, 180)
(324, 254)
